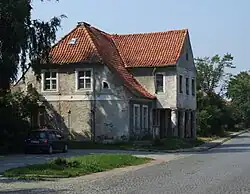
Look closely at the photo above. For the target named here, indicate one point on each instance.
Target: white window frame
(164, 82)
(77, 80)
(44, 79)
(138, 119)
(145, 124)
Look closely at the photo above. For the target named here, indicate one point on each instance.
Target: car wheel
(65, 148)
(50, 150)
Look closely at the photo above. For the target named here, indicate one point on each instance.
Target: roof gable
(151, 49)
(112, 59)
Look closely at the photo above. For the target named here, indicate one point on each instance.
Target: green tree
(212, 78)
(212, 74)
(239, 92)
(23, 41)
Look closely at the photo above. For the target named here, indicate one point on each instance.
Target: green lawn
(75, 166)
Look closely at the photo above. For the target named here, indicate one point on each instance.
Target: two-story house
(105, 86)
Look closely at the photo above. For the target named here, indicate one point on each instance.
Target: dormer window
(73, 41)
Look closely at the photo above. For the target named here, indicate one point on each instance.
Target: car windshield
(37, 135)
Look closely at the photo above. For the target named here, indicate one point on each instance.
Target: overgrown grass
(75, 166)
(176, 143)
(172, 143)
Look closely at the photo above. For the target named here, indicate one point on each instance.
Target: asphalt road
(225, 169)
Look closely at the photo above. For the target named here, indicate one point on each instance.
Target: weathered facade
(95, 88)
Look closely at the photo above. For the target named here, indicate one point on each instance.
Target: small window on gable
(105, 85)
(187, 55)
(180, 84)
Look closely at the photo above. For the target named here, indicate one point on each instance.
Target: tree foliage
(212, 74)
(239, 92)
(214, 114)
(23, 41)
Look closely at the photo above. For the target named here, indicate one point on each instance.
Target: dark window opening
(187, 86)
(159, 83)
(180, 83)
(187, 55)
(105, 85)
(193, 87)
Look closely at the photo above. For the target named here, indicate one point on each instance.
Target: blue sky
(215, 26)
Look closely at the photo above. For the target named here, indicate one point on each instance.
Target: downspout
(94, 108)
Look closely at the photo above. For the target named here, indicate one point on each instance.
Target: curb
(194, 149)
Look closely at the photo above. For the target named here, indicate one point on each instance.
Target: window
(105, 85)
(84, 79)
(187, 86)
(49, 79)
(159, 78)
(180, 84)
(72, 41)
(193, 87)
(137, 123)
(187, 55)
(145, 117)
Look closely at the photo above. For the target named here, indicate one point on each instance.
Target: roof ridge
(148, 33)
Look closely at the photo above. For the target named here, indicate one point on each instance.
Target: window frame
(163, 74)
(187, 86)
(85, 77)
(50, 79)
(139, 117)
(181, 84)
(193, 86)
(145, 123)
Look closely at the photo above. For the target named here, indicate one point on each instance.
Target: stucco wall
(187, 69)
(145, 76)
(72, 109)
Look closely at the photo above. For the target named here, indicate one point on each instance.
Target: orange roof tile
(151, 49)
(93, 45)
(120, 51)
(82, 51)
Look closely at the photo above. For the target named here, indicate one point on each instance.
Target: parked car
(45, 140)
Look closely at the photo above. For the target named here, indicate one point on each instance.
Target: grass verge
(163, 144)
(75, 166)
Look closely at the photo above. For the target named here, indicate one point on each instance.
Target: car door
(53, 140)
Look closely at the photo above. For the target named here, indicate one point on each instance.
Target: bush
(15, 114)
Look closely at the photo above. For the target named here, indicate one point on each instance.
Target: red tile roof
(120, 51)
(112, 59)
(151, 49)
(93, 45)
(82, 51)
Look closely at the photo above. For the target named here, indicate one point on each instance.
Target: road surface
(225, 169)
